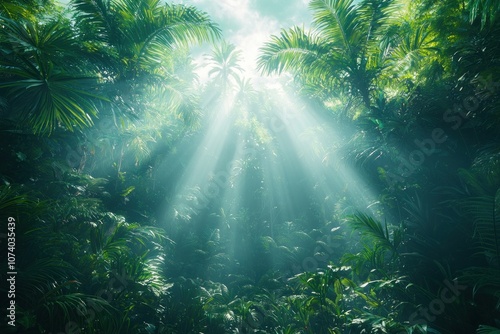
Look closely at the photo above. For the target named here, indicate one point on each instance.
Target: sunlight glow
(298, 164)
(293, 163)
(314, 143)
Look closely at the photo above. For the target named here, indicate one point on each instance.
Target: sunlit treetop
(59, 73)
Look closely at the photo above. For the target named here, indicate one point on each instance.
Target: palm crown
(346, 52)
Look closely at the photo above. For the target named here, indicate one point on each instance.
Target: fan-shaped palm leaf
(373, 229)
(39, 88)
(143, 32)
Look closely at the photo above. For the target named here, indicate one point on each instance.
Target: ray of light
(241, 189)
(195, 187)
(314, 142)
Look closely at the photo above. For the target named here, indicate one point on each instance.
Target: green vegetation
(361, 197)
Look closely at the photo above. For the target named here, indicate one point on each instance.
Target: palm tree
(24, 9)
(351, 45)
(134, 41)
(226, 70)
(55, 73)
(140, 50)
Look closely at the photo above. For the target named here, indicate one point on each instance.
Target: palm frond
(412, 47)
(331, 56)
(486, 280)
(485, 212)
(96, 17)
(377, 13)
(486, 9)
(42, 274)
(159, 29)
(189, 25)
(14, 10)
(225, 62)
(292, 50)
(40, 90)
(340, 21)
(374, 230)
(486, 165)
(63, 308)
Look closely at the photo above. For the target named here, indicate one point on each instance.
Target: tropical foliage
(149, 201)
